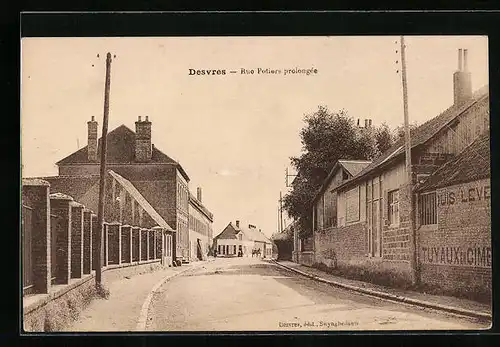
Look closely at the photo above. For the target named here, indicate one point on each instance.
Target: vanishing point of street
(243, 294)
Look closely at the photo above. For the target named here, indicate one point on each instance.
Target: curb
(143, 316)
(392, 297)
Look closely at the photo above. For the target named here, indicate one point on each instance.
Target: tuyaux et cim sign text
(459, 256)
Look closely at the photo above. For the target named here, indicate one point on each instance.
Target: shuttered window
(428, 208)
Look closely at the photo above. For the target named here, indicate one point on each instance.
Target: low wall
(54, 311)
(306, 258)
(342, 251)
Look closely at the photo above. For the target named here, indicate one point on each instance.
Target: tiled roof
(194, 201)
(120, 150)
(74, 186)
(473, 163)
(137, 196)
(229, 233)
(255, 235)
(421, 134)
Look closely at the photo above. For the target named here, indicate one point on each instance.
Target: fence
(58, 240)
(27, 241)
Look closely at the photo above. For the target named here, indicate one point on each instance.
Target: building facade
(200, 228)
(454, 223)
(236, 239)
(160, 179)
(375, 229)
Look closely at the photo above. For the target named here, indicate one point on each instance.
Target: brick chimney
(462, 86)
(92, 140)
(143, 140)
(366, 123)
(237, 223)
(198, 194)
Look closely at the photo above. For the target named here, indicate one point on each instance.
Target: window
(427, 208)
(393, 210)
(234, 249)
(352, 205)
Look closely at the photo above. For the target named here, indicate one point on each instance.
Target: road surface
(248, 294)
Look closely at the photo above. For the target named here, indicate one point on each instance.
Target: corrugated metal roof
(137, 196)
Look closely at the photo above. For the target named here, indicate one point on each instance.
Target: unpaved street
(247, 294)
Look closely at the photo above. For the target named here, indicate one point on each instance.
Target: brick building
(372, 231)
(160, 180)
(454, 222)
(200, 228)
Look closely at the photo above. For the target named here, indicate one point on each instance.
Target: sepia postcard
(260, 183)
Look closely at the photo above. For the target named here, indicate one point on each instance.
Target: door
(199, 253)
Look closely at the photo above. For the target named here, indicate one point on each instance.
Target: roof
(120, 150)
(195, 202)
(228, 233)
(353, 167)
(255, 235)
(74, 186)
(473, 163)
(137, 196)
(421, 134)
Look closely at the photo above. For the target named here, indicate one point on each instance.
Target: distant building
(235, 238)
(200, 228)
(158, 178)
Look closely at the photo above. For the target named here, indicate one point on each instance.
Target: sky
(232, 133)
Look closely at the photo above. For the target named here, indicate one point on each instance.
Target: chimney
(366, 123)
(369, 123)
(237, 223)
(198, 194)
(462, 86)
(143, 148)
(358, 122)
(92, 140)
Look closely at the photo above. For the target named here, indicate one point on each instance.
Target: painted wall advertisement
(459, 256)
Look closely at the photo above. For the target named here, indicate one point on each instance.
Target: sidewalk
(446, 303)
(121, 311)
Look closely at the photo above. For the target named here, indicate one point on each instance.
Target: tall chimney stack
(143, 148)
(92, 140)
(237, 223)
(366, 123)
(462, 86)
(198, 194)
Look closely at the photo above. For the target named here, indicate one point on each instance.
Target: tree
(326, 138)
(399, 132)
(384, 138)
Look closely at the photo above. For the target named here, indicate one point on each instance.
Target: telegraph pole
(413, 251)
(102, 174)
(281, 212)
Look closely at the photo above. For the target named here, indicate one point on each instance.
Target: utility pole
(102, 174)
(413, 255)
(281, 212)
